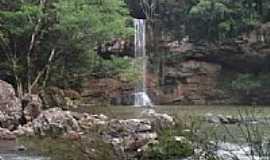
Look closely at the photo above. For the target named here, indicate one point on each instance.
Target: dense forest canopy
(54, 42)
(64, 33)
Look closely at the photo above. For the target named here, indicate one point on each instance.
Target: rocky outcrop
(10, 107)
(108, 91)
(55, 122)
(135, 8)
(116, 47)
(190, 82)
(125, 135)
(129, 135)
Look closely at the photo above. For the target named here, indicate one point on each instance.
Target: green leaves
(71, 27)
(224, 19)
(97, 20)
(246, 82)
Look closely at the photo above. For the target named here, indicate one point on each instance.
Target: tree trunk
(31, 47)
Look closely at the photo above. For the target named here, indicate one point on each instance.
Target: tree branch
(32, 44)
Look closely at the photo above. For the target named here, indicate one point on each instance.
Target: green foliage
(211, 20)
(121, 68)
(87, 19)
(221, 19)
(173, 142)
(246, 82)
(71, 28)
(169, 148)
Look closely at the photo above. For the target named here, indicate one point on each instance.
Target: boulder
(10, 107)
(55, 122)
(159, 120)
(129, 136)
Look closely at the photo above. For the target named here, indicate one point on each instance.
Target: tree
(54, 40)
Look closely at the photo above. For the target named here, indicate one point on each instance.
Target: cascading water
(141, 97)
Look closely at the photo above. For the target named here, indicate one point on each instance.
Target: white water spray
(141, 97)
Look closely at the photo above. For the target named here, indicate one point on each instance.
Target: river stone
(10, 107)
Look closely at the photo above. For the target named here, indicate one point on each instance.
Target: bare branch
(32, 44)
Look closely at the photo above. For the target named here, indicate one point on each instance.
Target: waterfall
(141, 97)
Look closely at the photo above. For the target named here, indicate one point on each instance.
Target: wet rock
(10, 107)
(232, 120)
(220, 119)
(55, 122)
(223, 119)
(21, 148)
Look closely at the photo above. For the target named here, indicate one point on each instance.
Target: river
(9, 150)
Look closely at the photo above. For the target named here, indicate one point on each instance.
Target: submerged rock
(221, 119)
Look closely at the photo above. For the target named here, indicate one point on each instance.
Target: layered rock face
(108, 90)
(192, 82)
